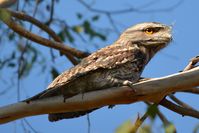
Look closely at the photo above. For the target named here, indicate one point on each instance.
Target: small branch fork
(180, 107)
(71, 53)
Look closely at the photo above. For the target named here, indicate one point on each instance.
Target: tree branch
(7, 3)
(51, 12)
(33, 37)
(138, 123)
(192, 63)
(178, 109)
(179, 102)
(153, 90)
(131, 9)
(194, 90)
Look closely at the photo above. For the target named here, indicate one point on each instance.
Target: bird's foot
(120, 82)
(129, 84)
(64, 99)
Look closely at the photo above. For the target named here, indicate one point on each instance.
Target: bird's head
(151, 35)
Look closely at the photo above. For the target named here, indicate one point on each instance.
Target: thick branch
(152, 90)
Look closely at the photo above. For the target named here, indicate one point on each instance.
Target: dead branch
(153, 90)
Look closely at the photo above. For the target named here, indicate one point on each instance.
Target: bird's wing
(107, 58)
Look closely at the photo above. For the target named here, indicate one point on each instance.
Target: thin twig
(51, 13)
(21, 58)
(178, 109)
(164, 120)
(131, 9)
(192, 63)
(112, 23)
(179, 102)
(138, 122)
(30, 126)
(89, 123)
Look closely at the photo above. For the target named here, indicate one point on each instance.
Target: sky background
(172, 59)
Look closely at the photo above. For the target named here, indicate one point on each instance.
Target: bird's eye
(149, 31)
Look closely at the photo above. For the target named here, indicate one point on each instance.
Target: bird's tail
(68, 115)
(47, 94)
(36, 97)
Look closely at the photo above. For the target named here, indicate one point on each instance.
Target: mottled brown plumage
(111, 66)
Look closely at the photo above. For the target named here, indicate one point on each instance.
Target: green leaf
(87, 27)
(25, 69)
(61, 35)
(95, 18)
(79, 15)
(145, 129)
(101, 36)
(4, 15)
(11, 36)
(11, 64)
(77, 29)
(54, 73)
(65, 34)
(152, 111)
(35, 53)
(125, 127)
(91, 32)
(170, 128)
(68, 35)
(196, 129)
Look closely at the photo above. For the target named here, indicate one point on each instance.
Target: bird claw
(129, 84)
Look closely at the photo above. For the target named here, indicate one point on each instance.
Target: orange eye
(149, 31)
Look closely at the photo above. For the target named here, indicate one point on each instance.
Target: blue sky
(170, 60)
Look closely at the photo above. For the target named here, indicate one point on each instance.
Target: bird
(119, 64)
